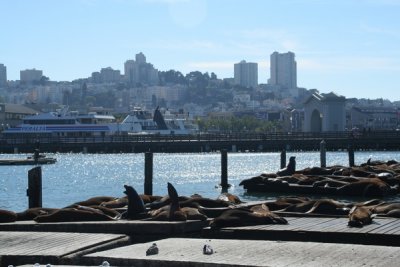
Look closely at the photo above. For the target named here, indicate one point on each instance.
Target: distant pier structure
(324, 112)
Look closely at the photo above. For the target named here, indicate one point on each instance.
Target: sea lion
(32, 213)
(289, 169)
(136, 208)
(7, 216)
(369, 187)
(359, 216)
(254, 181)
(317, 171)
(246, 216)
(77, 214)
(194, 214)
(171, 212)
(94, 201)
(116, 203)
(230, 198)
(329, 206)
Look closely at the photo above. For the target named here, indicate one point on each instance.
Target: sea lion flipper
(173, 195)
(135, 203)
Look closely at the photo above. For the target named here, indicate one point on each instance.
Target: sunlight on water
(76, 177)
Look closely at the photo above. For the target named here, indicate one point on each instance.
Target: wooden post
(283, 158)
(34, 191)
(351, 156)
(148, 173)
(322, 148)
(224, 168)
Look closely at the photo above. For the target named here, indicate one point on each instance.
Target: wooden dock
(189, 252)
(30, 247)
(383, 231)
(304, 241)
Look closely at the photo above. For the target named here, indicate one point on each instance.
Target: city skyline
(348, 47)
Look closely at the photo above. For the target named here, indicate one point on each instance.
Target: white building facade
(283, 70)
(246, 74)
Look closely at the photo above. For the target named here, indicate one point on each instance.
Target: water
(76, 177)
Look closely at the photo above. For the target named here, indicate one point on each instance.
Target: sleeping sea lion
(290, 168)
(32, 213)
(359, 216)
(94, 201)
(246, 216)
(7, 216)
(77, 214)
(136, 208)
(369, 187)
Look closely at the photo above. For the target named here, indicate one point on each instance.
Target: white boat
(71, 124)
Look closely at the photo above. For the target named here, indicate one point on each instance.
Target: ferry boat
(71, 124)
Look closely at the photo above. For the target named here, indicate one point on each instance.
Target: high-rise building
(30, 76)
(283, 70)
(246, 74)
(140, 71)
(3, 75)
(108, 75)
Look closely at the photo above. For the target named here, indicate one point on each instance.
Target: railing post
(34, 191)
(283, 158)
(351, 156)
(322, 148)
(148, 173)
(224, 169)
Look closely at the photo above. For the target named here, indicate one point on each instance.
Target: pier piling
(224, 169)
(351, 155)
(34, 191)
(322, 148)
(148, 173)
(283, 158)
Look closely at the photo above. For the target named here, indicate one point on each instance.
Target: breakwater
(205, 142)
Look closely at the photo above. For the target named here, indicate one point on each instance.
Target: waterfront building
(30, 75)
(12, 114)
(246, 74)
(373, 118)
(3, 75)
(324, 112)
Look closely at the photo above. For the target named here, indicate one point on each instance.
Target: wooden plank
(25, 247)
(312, 223)
(383, 225)
(188, 252)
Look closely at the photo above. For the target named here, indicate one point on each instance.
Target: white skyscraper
(283, 70)
(3, 75)
(246, 74)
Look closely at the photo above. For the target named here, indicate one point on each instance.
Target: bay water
(76, 177)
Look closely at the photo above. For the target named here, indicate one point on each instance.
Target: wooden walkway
(30, 247)
(188, 252)
(383, 231)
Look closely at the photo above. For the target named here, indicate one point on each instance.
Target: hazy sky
(351, 47)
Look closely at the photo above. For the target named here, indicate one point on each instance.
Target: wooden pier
(205, 142)
(304, 241)
(31, 247)
(189, 252)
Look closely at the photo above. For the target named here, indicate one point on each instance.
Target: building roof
(325, 97)
(15, 108)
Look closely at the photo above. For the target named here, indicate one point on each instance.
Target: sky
(350, 47)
